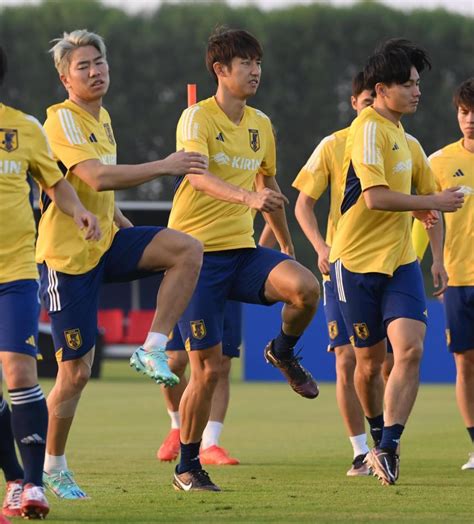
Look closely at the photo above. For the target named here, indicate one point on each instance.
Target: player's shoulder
(367, 119)
(445, 153)
(257, 113)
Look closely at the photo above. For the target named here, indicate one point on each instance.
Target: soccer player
(216, 209)
(82, 140)
(211, 453)
(373, 265)
(322, 170)
(453, 165)
(24, 150)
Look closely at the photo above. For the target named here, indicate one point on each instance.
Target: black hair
(464, 95)
(392, 61)
(225, 44)
(358, 84)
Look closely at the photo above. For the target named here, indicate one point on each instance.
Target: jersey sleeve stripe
(370, 154)
(72, 133)
(313, 160)
(188, 122)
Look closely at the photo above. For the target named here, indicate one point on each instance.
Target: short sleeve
(42, 166)
(192, 132)
(67, 139)
(268, 165)
(366, 155)
(313, 178)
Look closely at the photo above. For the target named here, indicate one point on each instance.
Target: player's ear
(219, 69)
(380, 89)
(64, 81)
(354, 103)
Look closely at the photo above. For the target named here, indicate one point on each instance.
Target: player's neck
(389, 114)
(92, 107)
(233, 107)
(468, 144)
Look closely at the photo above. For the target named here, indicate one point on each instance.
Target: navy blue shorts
(19, 313)
(72, 300)
(370, 301)
(232, 332)
(336, 328)
(459, 312)
(237, 274)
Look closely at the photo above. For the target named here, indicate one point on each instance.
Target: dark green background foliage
(311, 54)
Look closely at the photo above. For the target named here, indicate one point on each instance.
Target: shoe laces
(66, 478)
(202, 475)
(34, 492)
(13, 498)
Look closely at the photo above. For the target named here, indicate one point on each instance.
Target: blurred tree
(311, 54)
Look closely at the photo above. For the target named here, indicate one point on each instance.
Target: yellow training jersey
(236, 153)
(75, 136)
(323, 169)
(377, 153)
(23, 149)
(454, 166)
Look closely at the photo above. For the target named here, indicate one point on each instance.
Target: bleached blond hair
(63, 47)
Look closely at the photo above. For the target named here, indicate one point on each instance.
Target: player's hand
(288, 250)
(323, 259)
(449, 200)
(440, 278)
(266, 200)
(88, 222)
(182, 163)
(427, 218)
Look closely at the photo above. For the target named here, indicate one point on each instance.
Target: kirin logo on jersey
(254, 139)
(237, 162)
(404, 165)
(221, 159)
(109, 133)
(8, 140)
(73, 338)
(198, 329)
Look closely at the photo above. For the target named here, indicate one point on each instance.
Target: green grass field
(294, 456)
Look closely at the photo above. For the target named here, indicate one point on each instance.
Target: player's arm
(266, 200)
(277, 218)
(120, 220)
(267, 238)
(104, 177)
(440, 276)
(304, 212)
(367, 160)
(65, 197)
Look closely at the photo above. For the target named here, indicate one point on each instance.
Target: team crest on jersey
(254, 139)
(361, 330)
(73, 338)
(198, 329)
(8, 140)
(333, 329)
(109, 133)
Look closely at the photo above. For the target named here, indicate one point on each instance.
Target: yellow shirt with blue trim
(24, 150)
(236, 154)
(377, 154)
(76, 136)
(453, 166)
(322, 170)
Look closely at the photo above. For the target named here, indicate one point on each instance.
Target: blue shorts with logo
(232, 332)
(336, 327)
(237, 274)
(72, 300)
(19, 314)
(370, 301)
(459, 313)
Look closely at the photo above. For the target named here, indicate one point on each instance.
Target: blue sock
(391, 437)
(8, 459)
(471, 433)
(189, 457)
(30, 426)
(283, 345)
(376, 428)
